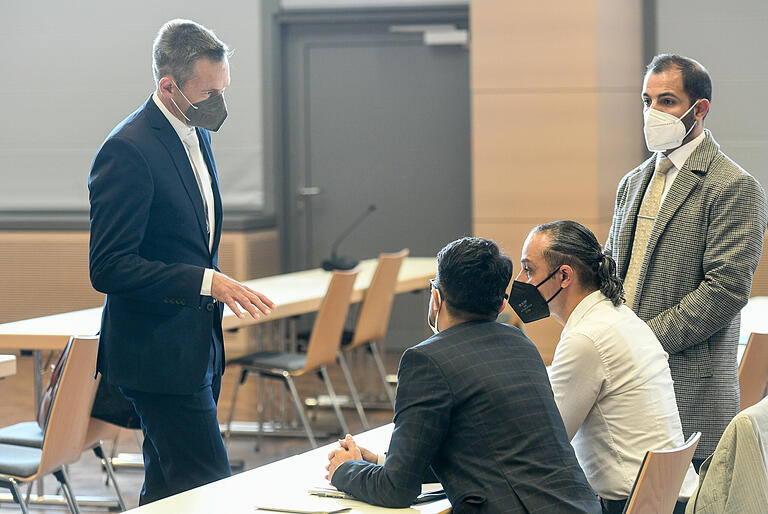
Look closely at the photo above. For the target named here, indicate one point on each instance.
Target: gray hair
(180, 43)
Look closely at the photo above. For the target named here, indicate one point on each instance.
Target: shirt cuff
(205, 288)
(380, 459)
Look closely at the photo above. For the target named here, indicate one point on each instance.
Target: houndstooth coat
(695, 277)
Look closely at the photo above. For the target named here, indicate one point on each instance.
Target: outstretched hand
(232, 293)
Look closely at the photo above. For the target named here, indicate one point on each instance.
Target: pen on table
(275, 509)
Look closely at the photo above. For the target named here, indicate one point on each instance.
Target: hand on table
(232, 293)
(348, 451)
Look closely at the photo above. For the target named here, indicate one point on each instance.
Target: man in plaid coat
(688, 272)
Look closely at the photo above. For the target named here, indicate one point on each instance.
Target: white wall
(72, 70)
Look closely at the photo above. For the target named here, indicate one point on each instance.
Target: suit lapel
(170, 140)
(218, 210)
(686, 181)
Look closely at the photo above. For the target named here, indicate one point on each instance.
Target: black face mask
(527, 302)
(208, 114)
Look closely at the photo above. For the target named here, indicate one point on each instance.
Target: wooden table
(282, 484)
(294, 293)
(7, 365)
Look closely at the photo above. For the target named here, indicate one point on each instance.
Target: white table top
(7, 365)
(294, 293)
(282, 484)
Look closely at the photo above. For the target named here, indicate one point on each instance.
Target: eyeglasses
(435, 285)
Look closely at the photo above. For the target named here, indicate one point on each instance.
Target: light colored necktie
(646, 217)
(203, 178)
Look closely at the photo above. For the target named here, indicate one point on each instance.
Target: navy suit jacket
(475, 407)
(148, 252)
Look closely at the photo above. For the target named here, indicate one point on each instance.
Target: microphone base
(341, 263)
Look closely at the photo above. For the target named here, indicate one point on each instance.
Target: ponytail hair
(574, 244)
(610, 283)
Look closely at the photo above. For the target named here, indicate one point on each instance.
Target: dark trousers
(617, 506)
(183, 447)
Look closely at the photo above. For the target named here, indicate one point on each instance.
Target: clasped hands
(232, 293)
(349, 450)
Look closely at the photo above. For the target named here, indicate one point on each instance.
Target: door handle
(308, 191)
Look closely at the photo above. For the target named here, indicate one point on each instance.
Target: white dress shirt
(678, 158)
(614, 391)
(188, 137)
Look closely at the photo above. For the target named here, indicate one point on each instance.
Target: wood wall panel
(620, 144)
(533, 45)
(619, 44)
(556, 119)
(47, 272)
(534, 155)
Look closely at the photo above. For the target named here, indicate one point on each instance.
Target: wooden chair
(65, 432)
(30, 434)
(660, 478)
(372, 323)
(753, 370)
(321, 352)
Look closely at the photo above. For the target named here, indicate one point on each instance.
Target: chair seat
(19, 461)
(27, 433)
(272, 360)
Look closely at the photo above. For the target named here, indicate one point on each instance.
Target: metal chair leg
(300, 409)
(353, 390)
(61, 476)
(99, 451)
(259, 411)
(29, 492)
(382, 372)
(332, 394)
(11, 484)
(228, 433)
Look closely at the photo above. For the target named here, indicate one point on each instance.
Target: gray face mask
(208, 114)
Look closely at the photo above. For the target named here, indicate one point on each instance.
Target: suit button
(209, 307)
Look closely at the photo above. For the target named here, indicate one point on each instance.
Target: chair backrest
(325, 340)
(71, 406)
(98, 431)
(373, 320)
(660, 478)
(753, 370)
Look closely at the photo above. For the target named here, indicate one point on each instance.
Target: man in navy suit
(473, 406)
(155, 228)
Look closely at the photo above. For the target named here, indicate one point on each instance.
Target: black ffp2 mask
(526, 300)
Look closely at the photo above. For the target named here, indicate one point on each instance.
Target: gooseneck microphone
(345, 263)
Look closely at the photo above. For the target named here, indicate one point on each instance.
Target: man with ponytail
(610, 375)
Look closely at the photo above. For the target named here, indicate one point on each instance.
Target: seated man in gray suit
(473, 406)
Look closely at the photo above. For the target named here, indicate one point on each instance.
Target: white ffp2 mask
(665, 131)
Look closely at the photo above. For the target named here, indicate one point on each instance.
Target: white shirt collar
(584, 306)
(681, 154)
(182, 129)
